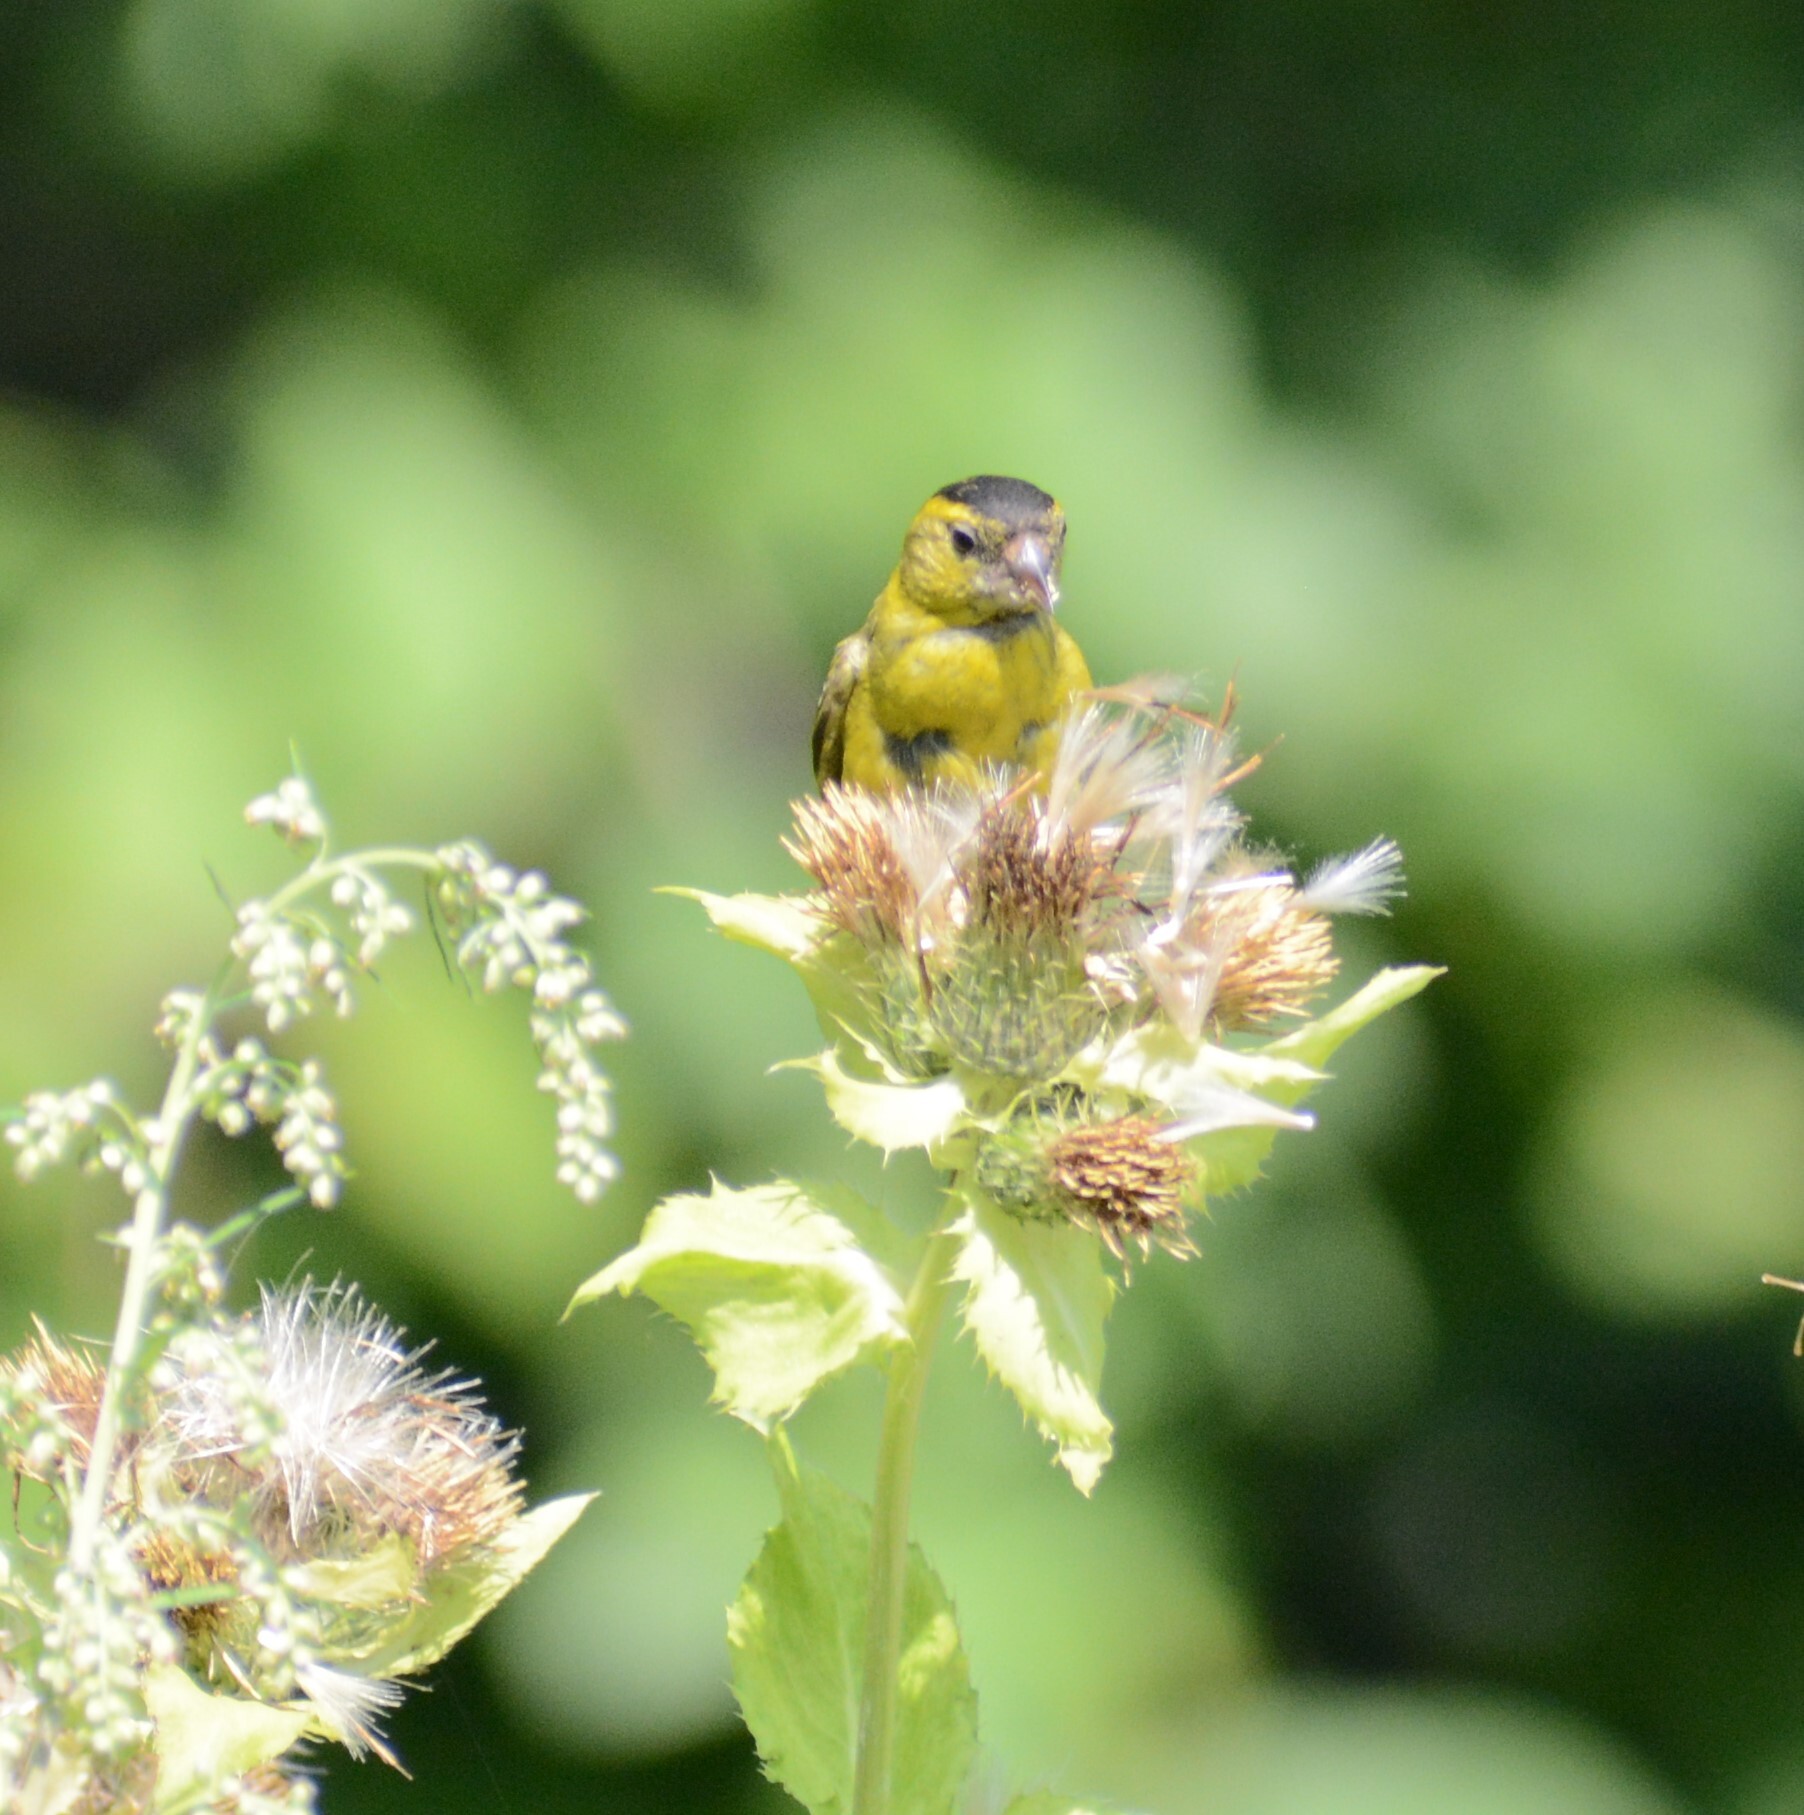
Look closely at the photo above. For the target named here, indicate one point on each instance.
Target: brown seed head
(68, 1381)
(170, 1561)
(1125, 1182)
(842, 840)
(459, 1489)
(1022, 881)
(1276, 955)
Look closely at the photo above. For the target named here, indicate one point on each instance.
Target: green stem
(174, 1114)
(908, 1371)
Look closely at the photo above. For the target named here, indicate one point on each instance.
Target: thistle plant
(237, 1532)
(1090, 1001)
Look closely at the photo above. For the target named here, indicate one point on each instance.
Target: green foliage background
(511, 403)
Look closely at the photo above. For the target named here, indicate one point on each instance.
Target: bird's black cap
(1010, 501)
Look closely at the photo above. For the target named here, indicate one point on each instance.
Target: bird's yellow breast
(937, 700)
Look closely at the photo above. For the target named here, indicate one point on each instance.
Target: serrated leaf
(455, 1595)
(775, 1289)
(890, 1116)
(207, 1741)
(796, 1633)
(1037, 1299)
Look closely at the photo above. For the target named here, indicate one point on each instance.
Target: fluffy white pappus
(1367, 882)
(931, 832)
(350, 1705)
(1110, 764)
(359, 1414)
(1205, 1106)
(1183, 974)
(1192, 816)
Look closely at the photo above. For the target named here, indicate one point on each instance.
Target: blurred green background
(509, 404)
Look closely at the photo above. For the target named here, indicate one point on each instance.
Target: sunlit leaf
(1155, 1060)
(1314, 1043)
(385, 1573)
(890, 1116)
(777, 1291)
(1037, 1300)
(454, 1596)
(797, 1638)
(780, 924)
(1049, 1802)
(205, 1741)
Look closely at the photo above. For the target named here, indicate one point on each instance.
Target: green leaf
(775, 1289)
(206, 1741)
(1049, 1802)
(796, 1633)
(781, 924)
(1233, 1157)
(832, 966)
(1196, 1077)
(1315, 1042)
(1037, 1301)
(455, 1595)
(381, 1576)
(890, 1116)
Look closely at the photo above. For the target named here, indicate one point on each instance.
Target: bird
(961, 662)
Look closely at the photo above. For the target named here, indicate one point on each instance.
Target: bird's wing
(843, 674)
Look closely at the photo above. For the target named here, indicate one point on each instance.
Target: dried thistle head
(1272, 954)
(63, 1385)
(1124, 1180)
(342, 1438)
(1117, 1175)
(843, 841)
(1007, 925)
(1027, 880)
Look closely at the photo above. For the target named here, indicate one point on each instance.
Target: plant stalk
(908, 1370)
(173, 1116)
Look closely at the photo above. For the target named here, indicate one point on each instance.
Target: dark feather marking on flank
(1012, 502)
(910, 754)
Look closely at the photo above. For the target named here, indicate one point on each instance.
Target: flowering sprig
(509, 931)
(1091, 1002)
(243, 1531)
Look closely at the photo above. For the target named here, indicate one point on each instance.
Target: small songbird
(961, 660)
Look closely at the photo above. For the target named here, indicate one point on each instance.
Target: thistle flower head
(843, 841)
(1082, 944)
(1004, 928)
(284, 1499)
(340, 1435)
(1063, 1158)
(1269, 954)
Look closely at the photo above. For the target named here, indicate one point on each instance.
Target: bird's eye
(964, 540)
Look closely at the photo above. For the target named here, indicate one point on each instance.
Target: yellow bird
(961, 660)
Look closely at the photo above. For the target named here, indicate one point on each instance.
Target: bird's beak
(1034, 567)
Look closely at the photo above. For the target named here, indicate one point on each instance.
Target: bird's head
(984, 548)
